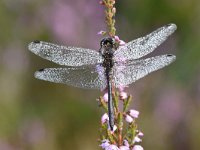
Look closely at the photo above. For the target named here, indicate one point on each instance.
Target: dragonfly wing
(83, 77)
(144, 45)
(131, 71)
(63, 55)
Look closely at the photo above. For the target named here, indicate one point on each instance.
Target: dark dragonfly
(86, 68)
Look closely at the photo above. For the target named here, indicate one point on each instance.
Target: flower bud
(129, 119)
(137, 147)
(134, 113)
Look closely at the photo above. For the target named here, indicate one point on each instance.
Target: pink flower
(121, 42)
(126, 143)
(101, 33)
(104, 118)
(114, 10)
(134, 113)
(105, 97)
(140, 133)
(123, 95)
(124, 148)
(105, 143)
(101, 3)
(129, 119)
(137, 139)
(117, 38)
(137, 147)
(107, 146)
(138, 136)
(112, 147)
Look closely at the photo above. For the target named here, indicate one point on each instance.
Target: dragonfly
(107, 68)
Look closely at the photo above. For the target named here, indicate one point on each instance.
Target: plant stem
(109, 16)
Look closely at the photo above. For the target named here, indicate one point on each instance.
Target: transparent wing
(83, 77)
(125, 74)
(69, 56)
(144, 45)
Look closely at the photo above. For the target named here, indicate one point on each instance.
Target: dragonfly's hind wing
(144, 45)
(83, 77)
(63, 55)
(125, 74)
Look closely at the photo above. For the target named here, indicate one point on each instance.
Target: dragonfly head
(107, 43)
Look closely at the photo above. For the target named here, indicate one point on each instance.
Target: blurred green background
(38, 115)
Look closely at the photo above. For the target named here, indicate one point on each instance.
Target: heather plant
(125, 134)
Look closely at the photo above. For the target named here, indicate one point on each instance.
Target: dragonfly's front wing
(142, 46)
(129, 72)
(83, 77)
(65, 55)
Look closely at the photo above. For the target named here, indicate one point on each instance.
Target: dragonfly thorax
(107, 50)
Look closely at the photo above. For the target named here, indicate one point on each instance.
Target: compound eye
(107, 42)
